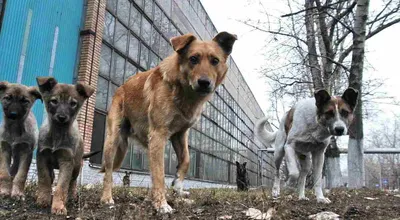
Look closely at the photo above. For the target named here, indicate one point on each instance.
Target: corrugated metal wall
(35, 32)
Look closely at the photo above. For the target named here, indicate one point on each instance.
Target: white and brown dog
(304, 134)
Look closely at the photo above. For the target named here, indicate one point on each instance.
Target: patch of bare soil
(133, 203)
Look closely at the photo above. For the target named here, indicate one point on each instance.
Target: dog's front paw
(59, 209)
(304, 198)
(17, 195)
(275, 192)
(164, 208)
(182, 193)
(43, 202)
(107, 200)
(43, 199)
(178, 188)
(5, 192)
(323, 200)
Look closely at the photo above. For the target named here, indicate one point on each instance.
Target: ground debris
(370, 198)
(225, 217)
(327, 215)
(133, 203)
(253, 213)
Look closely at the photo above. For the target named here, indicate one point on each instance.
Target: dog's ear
(321, 97)
(3, 87)
(237, 163)
(350, 96)
(180, 42)
(244, 164)
(225, 40)
(46, 84)
(35, 93)
(84, 90)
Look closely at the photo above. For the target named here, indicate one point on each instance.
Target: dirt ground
(132, 203)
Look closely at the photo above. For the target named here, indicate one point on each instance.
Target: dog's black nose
(61, 118)
(204, 83)
(13, 115)
(339, 130)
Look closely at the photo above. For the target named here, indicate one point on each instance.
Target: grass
(134, 203)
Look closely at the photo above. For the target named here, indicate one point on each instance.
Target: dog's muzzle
(339, 131)
(12, 115)
(203, 86)
(62, 118)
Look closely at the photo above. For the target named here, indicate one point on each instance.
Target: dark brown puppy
(242, 177)
(161, 104)
(60, 144)
(18, 137)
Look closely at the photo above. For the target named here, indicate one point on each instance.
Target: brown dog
(60, 145)
(18, 136)
(161, 104)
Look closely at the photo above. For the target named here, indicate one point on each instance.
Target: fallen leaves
(370, 198)
(253, 213)
(324, 216)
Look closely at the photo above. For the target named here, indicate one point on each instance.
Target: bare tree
(311, 48)
(355, 156)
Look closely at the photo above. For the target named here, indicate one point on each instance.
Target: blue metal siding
(46, 16)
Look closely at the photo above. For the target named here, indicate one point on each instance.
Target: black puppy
(242, 178)
(126, 180)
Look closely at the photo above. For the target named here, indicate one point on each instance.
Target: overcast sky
(382, 50)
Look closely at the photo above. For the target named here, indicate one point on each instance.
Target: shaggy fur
(304, 135)
(60, 145)
(163, 103)
(18, 137)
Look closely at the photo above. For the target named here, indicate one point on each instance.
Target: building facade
(118, 38)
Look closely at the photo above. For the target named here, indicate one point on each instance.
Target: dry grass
(133, 203)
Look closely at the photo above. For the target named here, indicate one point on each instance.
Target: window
(105, 61)
(135, 20)
(123, 10)
(101, 94)
(134, 48)
(146, 31)
(109, 23)
(130, 70)
(144, 56)
(155, 41)
(118, 66)
(111, 91)
(97, 137)
(111, 5)
(157, 16)
(148, 8)
(121, 37)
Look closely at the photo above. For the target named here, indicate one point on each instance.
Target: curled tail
(262, 133)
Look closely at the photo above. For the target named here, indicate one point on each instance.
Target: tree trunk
(355, 151)
(315, 68)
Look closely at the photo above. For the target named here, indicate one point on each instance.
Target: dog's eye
(73, 104)
(194, 60)
(54, 101)
(330, 114)
(7, 98)
(25, 101)
(214, 61)
(344, 113)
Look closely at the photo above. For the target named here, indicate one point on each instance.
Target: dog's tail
(262, 133)
(90, 154)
